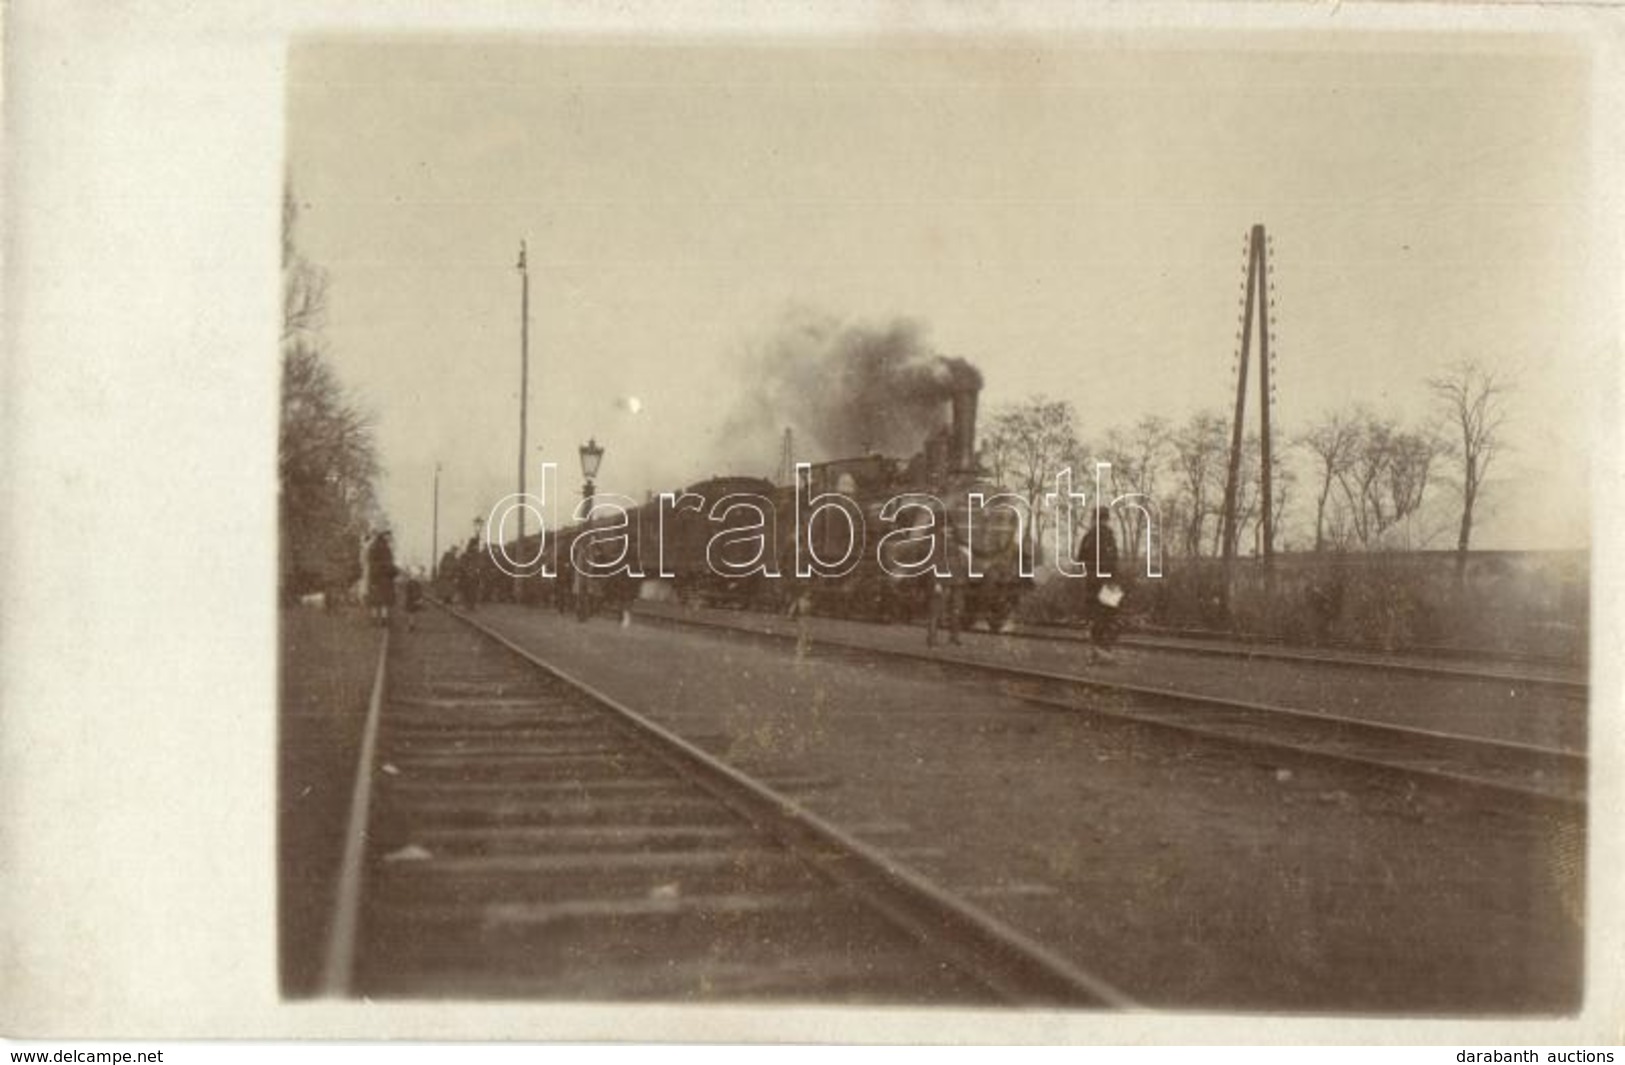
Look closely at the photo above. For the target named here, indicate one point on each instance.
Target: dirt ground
(327, 667)
(1188, 875)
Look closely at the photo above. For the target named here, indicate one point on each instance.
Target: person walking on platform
(582, 594)
(378, 566)
(445, 583)
(468, 575)
(948, 593)
(1097, 551)
(412, 599)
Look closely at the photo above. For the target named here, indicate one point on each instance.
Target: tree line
(1359, 485)
(327, 461)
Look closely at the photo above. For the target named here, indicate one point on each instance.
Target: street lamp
(591, 456)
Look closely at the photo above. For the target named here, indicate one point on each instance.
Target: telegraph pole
(1266, 297)
(1233, 478)
(524, 402)
(1256, 303)
(524, 374)
(434, 540)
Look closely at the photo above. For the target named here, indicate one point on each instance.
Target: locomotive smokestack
(964, 397)
(851, 387)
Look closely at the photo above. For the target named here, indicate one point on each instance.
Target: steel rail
(1558, 759)
(1533, 658)
(338, 968)
(1005, 959)
(1366, 662)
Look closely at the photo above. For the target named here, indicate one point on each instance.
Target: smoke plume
(843, 389)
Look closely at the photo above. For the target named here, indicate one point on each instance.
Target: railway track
(516, 833)
(1497, 768)
(1544, 675)
(1413, 651)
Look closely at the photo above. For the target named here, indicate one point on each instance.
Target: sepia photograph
(893, 523)
(912, 521)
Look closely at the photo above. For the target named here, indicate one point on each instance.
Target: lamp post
(591, 456)
(434, 536)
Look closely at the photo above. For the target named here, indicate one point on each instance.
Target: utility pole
(524, 374)
(434, 539)
(1266, 395)
(1259, 290)
(524, 398)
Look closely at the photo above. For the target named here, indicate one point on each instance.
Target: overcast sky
(1066, 213)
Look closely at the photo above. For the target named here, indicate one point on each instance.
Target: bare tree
(1201, 449)
(304, 285)
(996, 453)
(1410, 464)
(1026, 445)
(1472, 399)
(1386, 479)
(1137, 457)
(1333, 441)
(326, 461)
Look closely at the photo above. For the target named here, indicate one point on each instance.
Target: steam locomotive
(853, 537)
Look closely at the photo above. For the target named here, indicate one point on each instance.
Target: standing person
(341, 568)
(445, 585)
(623, 590)
(581, 592)
(468, 574)
(412, 597)
(1097, 551)
(561, 583)
(379, 569)
(493, 589)
(948, 593)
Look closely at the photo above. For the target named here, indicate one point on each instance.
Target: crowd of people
(468, 576)
(380, 577)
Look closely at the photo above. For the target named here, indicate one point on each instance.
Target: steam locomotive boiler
(749, 543)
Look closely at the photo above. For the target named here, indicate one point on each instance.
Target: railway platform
(515, 848)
